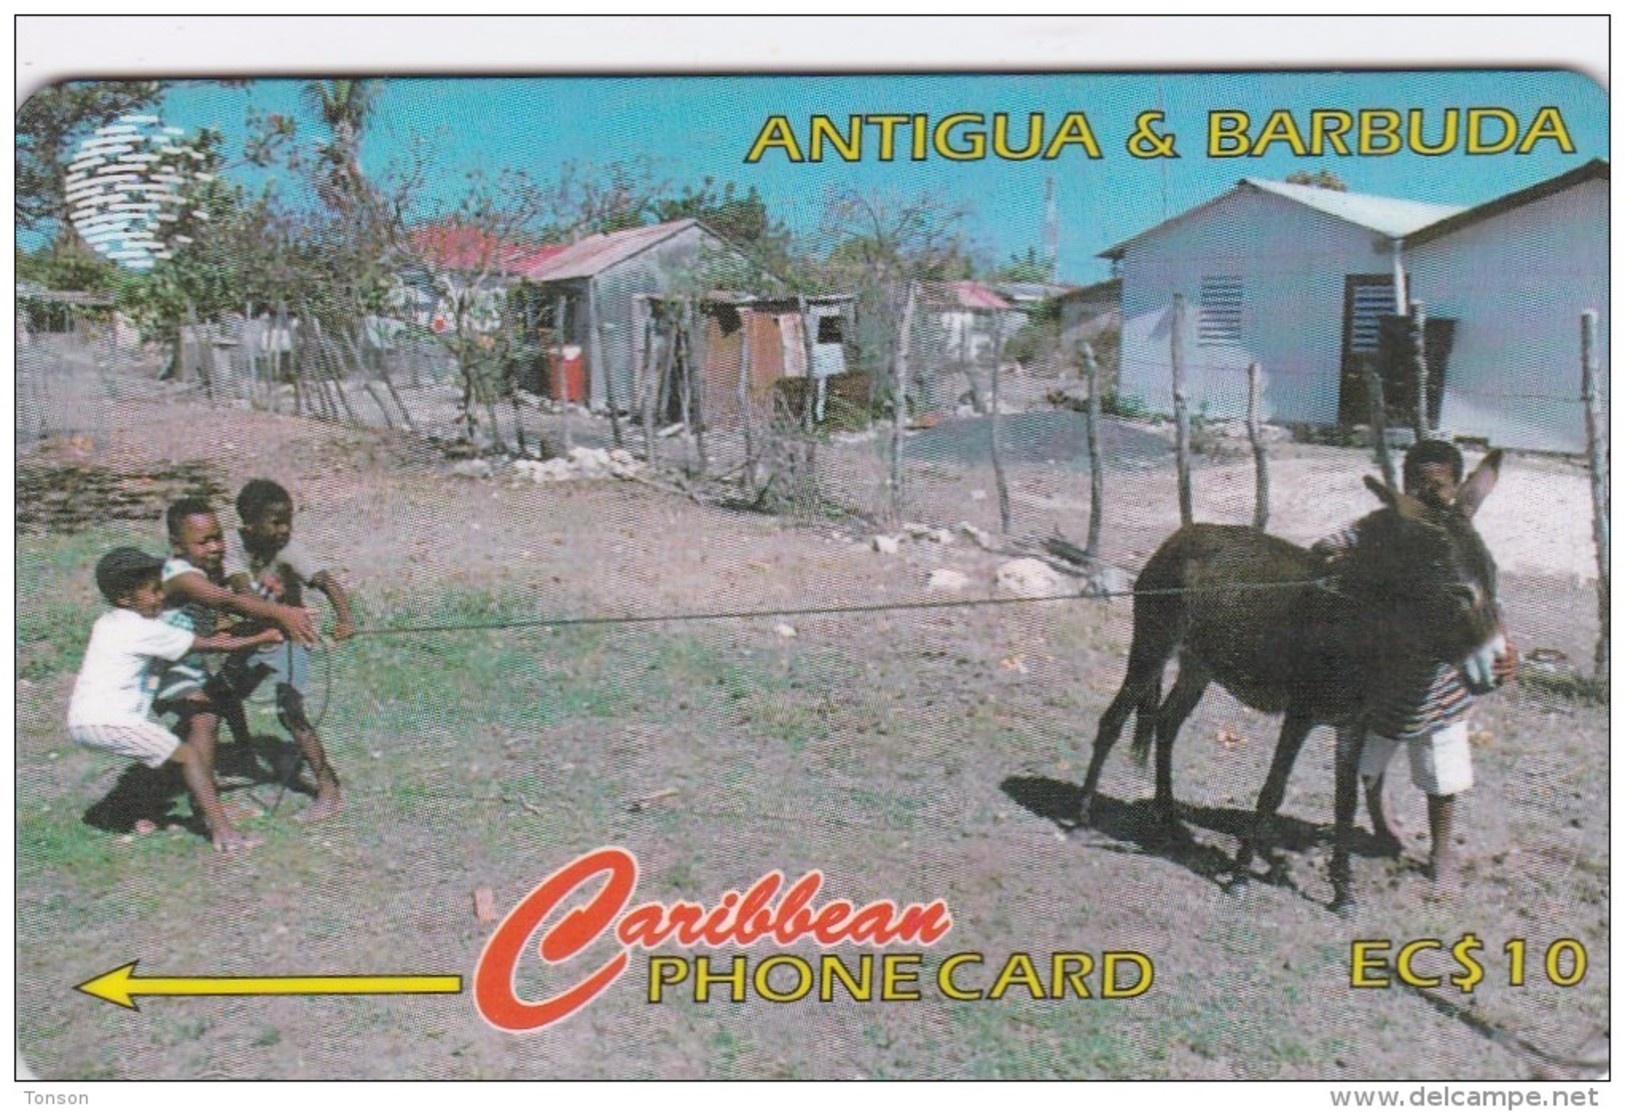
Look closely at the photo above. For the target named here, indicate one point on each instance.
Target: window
(829, 329)
(1368, 298)
(1218, 314)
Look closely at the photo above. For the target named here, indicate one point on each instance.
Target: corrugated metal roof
(597, 253)
(460, 247)
(962, 295)
(1033, 291)
(1111, 287)
(1387, 215)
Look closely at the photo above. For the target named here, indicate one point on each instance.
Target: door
(1367, 298)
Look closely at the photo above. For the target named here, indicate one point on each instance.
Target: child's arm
(344, 620)
(195, 586)
(229, 642)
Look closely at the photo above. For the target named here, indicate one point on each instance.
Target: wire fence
(72, 386)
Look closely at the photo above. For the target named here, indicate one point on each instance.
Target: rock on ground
(1029, 578)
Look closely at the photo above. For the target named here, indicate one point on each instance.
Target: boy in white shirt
(112, 696)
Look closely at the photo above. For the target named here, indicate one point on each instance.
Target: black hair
(120, 572)
(1427, 452)
(122, 585)
(178, 512)
(259, 495)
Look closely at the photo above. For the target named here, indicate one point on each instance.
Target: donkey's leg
(1111, 727)
(1157, 631)
(1346, 802)
(1293, 732)
(1187, 692)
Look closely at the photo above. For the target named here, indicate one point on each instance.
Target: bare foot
(234, 841)
(326, 806)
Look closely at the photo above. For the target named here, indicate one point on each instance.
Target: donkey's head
(1430, 577)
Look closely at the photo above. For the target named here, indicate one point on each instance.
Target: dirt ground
(910, 754)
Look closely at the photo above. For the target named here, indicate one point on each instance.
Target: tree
(464, 262)
(591, 199)
(345, 106)
(883, 248)
(1320, 179)
(743, 220)
(1024, 268)
(49, 124)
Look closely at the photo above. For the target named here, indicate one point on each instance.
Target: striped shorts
(143, 741)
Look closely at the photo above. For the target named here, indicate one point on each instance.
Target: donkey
(1263, 617)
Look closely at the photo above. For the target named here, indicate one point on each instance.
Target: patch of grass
(57, 600)
(1567, 685)
(59, 842)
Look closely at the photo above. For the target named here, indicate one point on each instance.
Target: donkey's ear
(1397, 500)
(1479, 484)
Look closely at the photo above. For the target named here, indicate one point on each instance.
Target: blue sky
(693, 127)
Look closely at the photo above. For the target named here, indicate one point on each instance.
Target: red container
(566, 374)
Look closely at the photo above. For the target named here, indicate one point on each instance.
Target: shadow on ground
(1136, 828)
(158, 795)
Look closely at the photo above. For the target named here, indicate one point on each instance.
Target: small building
(1090, 315)
(587, 291)
(1290, 276)
(958, 326)
(1515, 274)
(1030, 297)
(1300, 278)
(751, 341)
(1089, 312)
(455, 269)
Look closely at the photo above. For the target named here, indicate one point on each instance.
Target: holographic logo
(125, 190)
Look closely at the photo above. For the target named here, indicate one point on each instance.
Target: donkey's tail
(1145, 720)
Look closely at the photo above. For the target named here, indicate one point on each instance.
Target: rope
(825, 611)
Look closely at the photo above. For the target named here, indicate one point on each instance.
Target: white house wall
(1517, 283)
(1292, 261)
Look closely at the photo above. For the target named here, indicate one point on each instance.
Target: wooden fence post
(1182, 421)
(288, 362)
(900, 373)
(1419, 321)
(1379, 427)
(205, 352)
(595, 321)
(1261, 465)
(1597, 456)
(996, 430)
(807, 473)
(646, 383)
(1097, 485)
(250, 352)
(695, 375)
(746, 418)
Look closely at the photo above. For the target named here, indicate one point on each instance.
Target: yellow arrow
(121, 986)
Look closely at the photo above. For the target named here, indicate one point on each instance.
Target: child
(265, 559)
(1429, 710)
(194, 589)
(112, 699)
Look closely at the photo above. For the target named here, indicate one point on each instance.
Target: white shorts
(1441, 762)
(147, 742)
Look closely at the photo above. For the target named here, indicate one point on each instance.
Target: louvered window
(1218, 315)
(1370, 299)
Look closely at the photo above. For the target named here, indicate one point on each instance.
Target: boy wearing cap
(112, 696)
